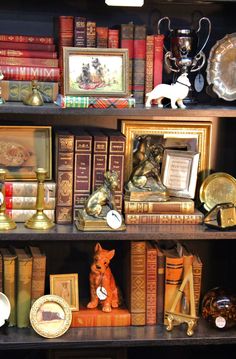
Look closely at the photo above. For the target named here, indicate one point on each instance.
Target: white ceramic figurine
(175, 92)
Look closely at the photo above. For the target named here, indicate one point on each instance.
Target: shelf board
(132, 232)
(228, 110)
(116, 337)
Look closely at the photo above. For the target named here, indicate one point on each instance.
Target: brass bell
(35, 98)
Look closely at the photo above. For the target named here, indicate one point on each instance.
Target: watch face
(199, 82)
(114, 219)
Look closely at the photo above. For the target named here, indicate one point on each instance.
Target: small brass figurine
(35, 98)
(5, 221)
(94, 214)
(40, 220)
(145, 181)
(2, 101)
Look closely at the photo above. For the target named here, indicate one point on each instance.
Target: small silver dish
(5, 308)
(221, 67)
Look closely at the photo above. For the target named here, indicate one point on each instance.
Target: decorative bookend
(5, 221)
(35, 98)
(179, 318)
(100, 212)
(40, 220)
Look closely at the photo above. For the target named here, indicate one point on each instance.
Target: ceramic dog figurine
(175, 92)
(102, 196)
(103, 287)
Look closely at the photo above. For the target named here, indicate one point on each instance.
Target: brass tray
(50, 316)
(221, 70)
(217, 188)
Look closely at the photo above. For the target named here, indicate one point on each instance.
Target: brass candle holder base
(6, 222)
(40, 220)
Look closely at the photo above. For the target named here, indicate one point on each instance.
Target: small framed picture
(67, 287)
(95, 72)
(179, 172)
(50, 316)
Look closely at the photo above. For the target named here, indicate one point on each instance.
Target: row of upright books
(154, 273)
(22, 280)
(25, 58)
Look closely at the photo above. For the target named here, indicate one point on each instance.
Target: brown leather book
(64, 176)
(119, 317)
(38, 273)
(149, 63)
(161, 263)
(91, 34)
(113, 38)
(82, 168)
(139, 63)
(151, 285)
(80, 31)
(197, 280)
(174, 205)
(127, 42)
(102, 36)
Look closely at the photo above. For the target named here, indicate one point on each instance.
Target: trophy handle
(199, 57)
(169, 28)
(209, 31)
(168, 60)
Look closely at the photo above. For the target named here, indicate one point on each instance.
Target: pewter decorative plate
(221, 67)
(217, 188)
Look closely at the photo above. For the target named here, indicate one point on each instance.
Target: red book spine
(102, 36)
(151, 286)
(28, 53)
(149, 63)
(26, 46)
(66, 38)
(113, 38)
(139, 62)
(28, 39)
(27, 61)
(30, 73)
(80, 31)
(158, 59)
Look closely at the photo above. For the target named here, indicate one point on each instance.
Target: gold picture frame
(193, 136)
(179, 172)
(23, 149)
(95, 72)
(50, 316)
(67, 287)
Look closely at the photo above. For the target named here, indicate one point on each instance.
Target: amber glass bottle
(219, 308)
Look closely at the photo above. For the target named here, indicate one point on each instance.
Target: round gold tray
(221, 67)
(50, 316)
(217, 188)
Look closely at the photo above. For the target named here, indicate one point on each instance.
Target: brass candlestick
(40, 220)
(5, 221)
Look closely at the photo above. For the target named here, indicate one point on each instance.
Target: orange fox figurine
(103, 287)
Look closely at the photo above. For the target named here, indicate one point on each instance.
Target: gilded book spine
(80, 31)
(28, 202)
(197, 279)
(149, 63)
(91, 34)
(26, 46)
(164, 218)
(28, 39)
(21, 215)
(151, 285)
(64, 175)
(175, 207)
(160, 285)
(102, 36)
(28, 189)
(113, 38)
(20, 73)
(27, 61)
(138, 283)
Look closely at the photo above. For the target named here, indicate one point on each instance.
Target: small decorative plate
(5, 308)
(218, 188)
(50, 316)
(221, 68)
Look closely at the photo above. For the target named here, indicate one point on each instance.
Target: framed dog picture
(95, 72)
(67, 287)
(182, 135)
(179, 172)
(23, 149)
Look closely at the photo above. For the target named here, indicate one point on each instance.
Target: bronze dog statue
(102, 196)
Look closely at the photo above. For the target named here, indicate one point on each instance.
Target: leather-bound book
(28, 61)
(23, 287)
(32, 39)
(174, 205)
(64, 177)
(151, 285)
(158, 59)
(160, 283)
(28, 189)
(135, 280)
(40, 54)
(21, 215)
(102, 36)
(113, 38)
(91, 34)
(116, 161)
(100, 154)
(26, 46)
(82, 168)
(38, 273)
(139, 63)
(149, 65)
(9, 281)
(80, 31)
(127, 42)
(197, 280)
(26, 73)
(28, 202)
